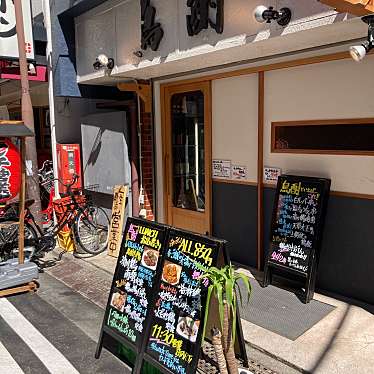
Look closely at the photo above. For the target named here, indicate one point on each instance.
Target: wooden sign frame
(308, 278)
(117, 220)
(141, 355)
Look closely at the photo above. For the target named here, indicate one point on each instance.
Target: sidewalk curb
(277, 358)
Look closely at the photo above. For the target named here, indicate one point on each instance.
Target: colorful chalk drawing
(178, 310)
(296, 224)
(135, 280)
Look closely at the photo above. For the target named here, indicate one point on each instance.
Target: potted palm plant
(223, 285)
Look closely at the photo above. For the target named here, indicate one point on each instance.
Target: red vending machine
(69, 163)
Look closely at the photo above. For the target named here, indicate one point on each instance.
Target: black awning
(14, 128)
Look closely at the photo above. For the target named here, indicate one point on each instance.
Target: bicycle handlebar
(68, 185)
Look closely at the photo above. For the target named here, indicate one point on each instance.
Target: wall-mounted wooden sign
(117, 219)
(296, 231)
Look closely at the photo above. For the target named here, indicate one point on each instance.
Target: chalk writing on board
(133, 280)
(295, 224)
(178, 310)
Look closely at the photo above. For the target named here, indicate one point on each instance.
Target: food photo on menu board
(175, 333)
(118, 300)
(134, 279)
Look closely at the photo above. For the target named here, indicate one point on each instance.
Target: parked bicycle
(88, 223)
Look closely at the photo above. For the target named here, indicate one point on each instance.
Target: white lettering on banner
(8, 34)
(5, 173)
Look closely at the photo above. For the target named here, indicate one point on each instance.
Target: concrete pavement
(342, 342)
(52, 331)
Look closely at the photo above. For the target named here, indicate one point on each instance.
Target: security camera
(268, 14)
(103, 61)
(358, 52)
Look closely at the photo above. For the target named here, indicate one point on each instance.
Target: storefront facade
(227, 105)
(10, 92)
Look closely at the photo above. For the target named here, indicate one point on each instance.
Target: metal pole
(47, 23)
(134, 154)
(27, 112)
(21, 223)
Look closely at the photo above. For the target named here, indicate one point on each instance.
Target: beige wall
(234, 121)
(338, 89)
(341, 89)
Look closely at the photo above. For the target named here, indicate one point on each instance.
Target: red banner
(10, 170)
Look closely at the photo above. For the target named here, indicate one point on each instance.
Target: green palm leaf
(223, 286)
(208, 297)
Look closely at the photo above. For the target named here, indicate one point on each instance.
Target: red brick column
(147, 155)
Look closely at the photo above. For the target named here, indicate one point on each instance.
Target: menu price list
(296, 223)
(134, 280)
(176, 321)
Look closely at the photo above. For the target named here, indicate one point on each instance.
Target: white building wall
(113, 28)
(331, 90)
(234, 121)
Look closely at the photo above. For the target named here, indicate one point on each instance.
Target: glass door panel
(188, 156)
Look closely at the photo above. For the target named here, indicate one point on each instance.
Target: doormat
(280, 311)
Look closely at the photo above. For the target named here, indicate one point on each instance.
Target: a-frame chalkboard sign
(296, 230)
(160, 316)
(133, 284)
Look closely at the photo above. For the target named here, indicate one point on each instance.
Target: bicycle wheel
(91, 230)
(9, 241)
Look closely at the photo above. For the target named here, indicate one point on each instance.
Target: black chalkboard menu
(133, 281)
(177, 319)
(296, 229)
(156, 303)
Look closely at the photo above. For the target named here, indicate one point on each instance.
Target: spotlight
(265, 14)
(103, 61)
(358, 52)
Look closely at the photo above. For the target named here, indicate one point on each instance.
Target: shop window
(344, 136)
(188, 150)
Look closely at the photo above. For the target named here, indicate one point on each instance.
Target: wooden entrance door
(187, 147)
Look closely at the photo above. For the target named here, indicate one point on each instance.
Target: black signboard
(296, 230)
(177, 319)
(156, 304)
(133, 282)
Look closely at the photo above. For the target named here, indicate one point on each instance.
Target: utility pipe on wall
(134, 154)
(47, 23)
